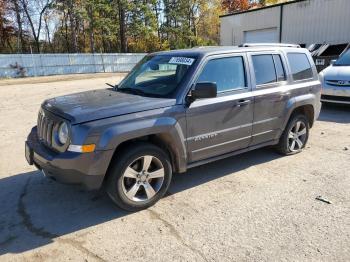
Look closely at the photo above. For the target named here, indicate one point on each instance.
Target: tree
(122, 7)
(208, 22)
(270, 2)
(41, 7)
(19, 19)
(143, 26)
(108, 25)
(8, 30)
(235, 5)
(232, 6)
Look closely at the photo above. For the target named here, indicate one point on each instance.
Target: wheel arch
(165, 141)
(302, 105)
(306, 110)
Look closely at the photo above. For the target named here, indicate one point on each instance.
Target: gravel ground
(258, 206)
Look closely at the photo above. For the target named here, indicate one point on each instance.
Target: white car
(336, 81)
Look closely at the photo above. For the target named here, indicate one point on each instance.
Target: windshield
(344, 60)
(157, 75)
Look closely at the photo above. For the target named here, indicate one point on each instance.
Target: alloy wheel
(143, 178)
(297, 136)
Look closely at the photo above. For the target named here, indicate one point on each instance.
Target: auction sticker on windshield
(181, 61)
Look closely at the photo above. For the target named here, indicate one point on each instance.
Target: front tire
(294, 138)
(139, 177)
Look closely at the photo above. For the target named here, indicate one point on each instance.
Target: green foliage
(232, 6)
(120, 25)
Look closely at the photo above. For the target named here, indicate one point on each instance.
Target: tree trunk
(65, 17)
(91, 29)
(48, 34)
(73, 33)
(9, 45)
(36, 38)
(20, 40)
(157, 10)
(36, 34)
(122, 25)
(72, 23)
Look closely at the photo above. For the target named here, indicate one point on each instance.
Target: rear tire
(295, 136)
(139, 177)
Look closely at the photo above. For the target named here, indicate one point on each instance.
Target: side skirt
(212, 159)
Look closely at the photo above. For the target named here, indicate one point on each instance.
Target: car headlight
(63, 133)
(321, 77)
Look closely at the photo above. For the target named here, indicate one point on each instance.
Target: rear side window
(300, 66)
(264, 69)
(228, 73)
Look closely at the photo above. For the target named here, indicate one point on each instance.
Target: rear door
(223, 124)
(271, 95)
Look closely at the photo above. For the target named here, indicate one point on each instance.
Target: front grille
(345, 83)
(45, 127)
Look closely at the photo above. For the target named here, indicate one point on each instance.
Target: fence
(17, 65)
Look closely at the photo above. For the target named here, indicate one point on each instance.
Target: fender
(167, 128)
(298, 101)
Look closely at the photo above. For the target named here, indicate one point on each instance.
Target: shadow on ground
(335, 113)
(36, 210)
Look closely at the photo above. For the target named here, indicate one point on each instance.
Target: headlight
(63, 133)
(321, 77)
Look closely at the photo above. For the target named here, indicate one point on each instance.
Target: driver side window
(228, 73)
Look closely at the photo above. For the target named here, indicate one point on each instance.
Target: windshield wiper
(115, 87)
(110, 85)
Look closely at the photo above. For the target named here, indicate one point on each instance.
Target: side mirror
(333, 61)
(204, 90)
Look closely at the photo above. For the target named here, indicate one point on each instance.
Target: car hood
(102, 103)
(337, 73)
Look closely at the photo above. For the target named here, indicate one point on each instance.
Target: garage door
(267, 35)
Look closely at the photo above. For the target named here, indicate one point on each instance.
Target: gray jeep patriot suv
(173, 111)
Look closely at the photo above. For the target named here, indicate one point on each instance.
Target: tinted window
(264, 69)
(300, 66)
(228, 73)
(279, 68)
(344, 60)
(156, 75)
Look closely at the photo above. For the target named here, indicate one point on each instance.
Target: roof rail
(269, 45)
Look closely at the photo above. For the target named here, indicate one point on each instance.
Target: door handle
(243, 102)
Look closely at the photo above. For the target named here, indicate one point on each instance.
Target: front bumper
(335, 94)
(87, 169)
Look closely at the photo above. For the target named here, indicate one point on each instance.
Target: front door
(216, 126)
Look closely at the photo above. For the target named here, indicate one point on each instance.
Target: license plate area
(29, 154)
(320, 62)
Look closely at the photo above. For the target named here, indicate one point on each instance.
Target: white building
(302, 22)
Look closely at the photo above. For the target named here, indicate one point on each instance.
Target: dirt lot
(252, 207)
